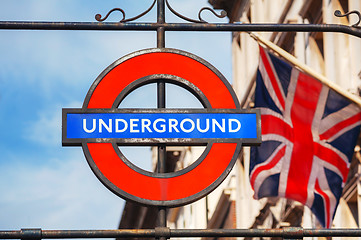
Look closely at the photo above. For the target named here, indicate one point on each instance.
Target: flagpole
(303, 67)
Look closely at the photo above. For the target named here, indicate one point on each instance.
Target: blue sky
(43, 184)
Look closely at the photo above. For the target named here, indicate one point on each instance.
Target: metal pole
(160, 20)
(289, 233)
(162, 156)
(207, 27)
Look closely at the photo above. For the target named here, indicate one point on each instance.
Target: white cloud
(46, 129)
(64, 195)
(69, 58)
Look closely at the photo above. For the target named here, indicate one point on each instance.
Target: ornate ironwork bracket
(99, 18)
(200, 25)
(339, 14)
(223, 14)
(201, 20)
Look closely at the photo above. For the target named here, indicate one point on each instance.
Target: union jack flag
(308, 137)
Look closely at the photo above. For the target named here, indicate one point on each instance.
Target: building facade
(334, 55)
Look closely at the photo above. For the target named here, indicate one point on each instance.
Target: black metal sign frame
(160, 26)
(161, 65)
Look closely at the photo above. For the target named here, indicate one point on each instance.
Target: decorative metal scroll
(339, 14)
(222, 14)
(201, 20)
(99, 18)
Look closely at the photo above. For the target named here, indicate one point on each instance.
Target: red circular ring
(161, 190)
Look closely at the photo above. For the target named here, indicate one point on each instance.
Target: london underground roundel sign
(100, 127)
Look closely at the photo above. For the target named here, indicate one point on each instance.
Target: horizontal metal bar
(17, 25)
(61, 234)
(291, 232)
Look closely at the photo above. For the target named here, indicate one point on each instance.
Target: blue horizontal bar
(161, 125)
